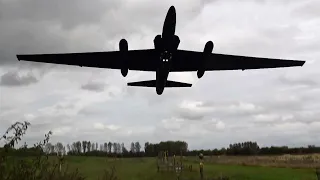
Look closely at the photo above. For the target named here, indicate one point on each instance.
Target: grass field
(293, 161)
(145, 168)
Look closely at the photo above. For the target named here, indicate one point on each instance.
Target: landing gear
(166, 56)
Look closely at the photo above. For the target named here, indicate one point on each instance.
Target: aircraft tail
(152, 83)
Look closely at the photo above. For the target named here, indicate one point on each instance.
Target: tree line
(113, 149)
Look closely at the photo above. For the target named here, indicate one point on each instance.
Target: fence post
(60, 160)
(201, 165)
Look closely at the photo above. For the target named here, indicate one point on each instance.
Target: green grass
(145, 168)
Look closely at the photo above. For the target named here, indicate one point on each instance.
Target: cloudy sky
(270, 106)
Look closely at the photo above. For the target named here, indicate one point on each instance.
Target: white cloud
(99, 126)
(266, 117)
(220, 125)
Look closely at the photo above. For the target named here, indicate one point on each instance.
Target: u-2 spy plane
(165, 57)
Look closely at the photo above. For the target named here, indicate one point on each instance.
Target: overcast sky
(271, 106)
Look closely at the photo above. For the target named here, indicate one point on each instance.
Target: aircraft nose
(172, 9)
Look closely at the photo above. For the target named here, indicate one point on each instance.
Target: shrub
(16, 164)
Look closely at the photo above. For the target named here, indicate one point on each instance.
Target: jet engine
(158, 43)
(176, 42)
(123, 47)
(206, 54)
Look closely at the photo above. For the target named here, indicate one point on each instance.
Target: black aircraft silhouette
(165, 57)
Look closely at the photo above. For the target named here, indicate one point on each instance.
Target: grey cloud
(309, 10)
(40, 124)
(97, 109)
(191, 115)
(14, 79)
(264, 41)
(286, 103)
(210, 109)
(47, 123)
(298, 80)
(25, 30)
(4, 56)
(17, 40)
(275, 110)
(6, 108)
(303, 116)
(89, 111)
(66, 106)
(94, 86)
(68, 13)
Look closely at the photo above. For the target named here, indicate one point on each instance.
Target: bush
(18, 164)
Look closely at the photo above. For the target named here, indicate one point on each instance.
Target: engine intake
(123, 47)
(158, 44)
(206, 54)
(208, 48)
(176, 42)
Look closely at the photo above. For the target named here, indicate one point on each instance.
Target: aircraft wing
(140, 60)
(190, 61)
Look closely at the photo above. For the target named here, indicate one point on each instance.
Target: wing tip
(292, 63)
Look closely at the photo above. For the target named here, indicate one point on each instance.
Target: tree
(89, 146)
(119, 149)
(137, 147)
(115, 148)
(48, 148)
(93, 145)
(109, 147)
(132, 149)
(105, 147)
(84, 146)
(146, 144)
(52, 148)
(68, 147)
(59, 148)
(78, 147)
(123, 149)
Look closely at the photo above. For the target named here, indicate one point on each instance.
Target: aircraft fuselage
(166, 45)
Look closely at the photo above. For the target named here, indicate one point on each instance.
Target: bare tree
(78, 147)
(115, 147)
(89, 146)
(123, 149)
(48, 148)
(68, 147)
(84, 146)
(109, 147)
(132, 148)
(59, 148)
(105, 147)
(93, 145)
(137, 147)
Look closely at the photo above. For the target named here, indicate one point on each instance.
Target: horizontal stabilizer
(152, 83)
